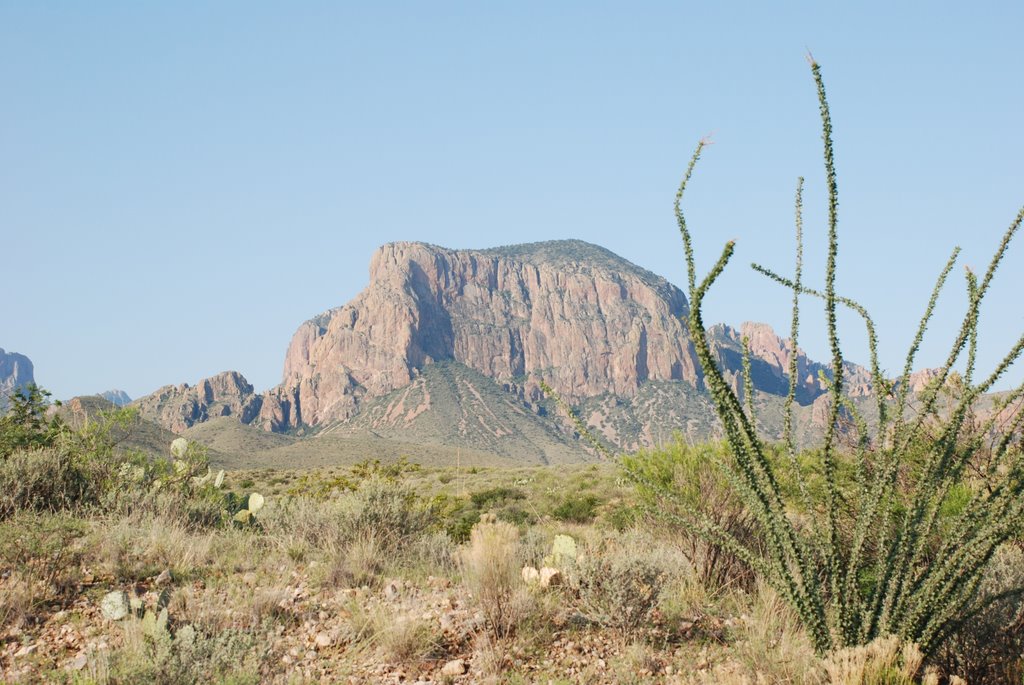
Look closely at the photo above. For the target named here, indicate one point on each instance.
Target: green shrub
(26, 424)
(695, 477)
(577, 509)
(881, 559)
(495, 496)
(622, 516)
(619, 582)
(50, 479)
(181, 657)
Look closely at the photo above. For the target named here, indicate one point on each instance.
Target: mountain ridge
(485, 329)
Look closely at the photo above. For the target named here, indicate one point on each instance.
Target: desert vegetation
(890, 553)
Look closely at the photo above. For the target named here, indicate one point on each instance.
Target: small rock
(391, 590)
(25, 651)
(249, 578)
(323, 640)
(114, 605)
(79, 662)
(310, 655)
(454, 667)
(550, 577)
(164, 578)
(531, 575)
(286, 660)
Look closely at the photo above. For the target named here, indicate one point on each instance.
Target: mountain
(449, 349)
(572, 314)
(16, 372)
(179, 407)
(119, 398)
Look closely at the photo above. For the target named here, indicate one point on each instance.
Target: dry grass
(772, 645)
(885, 661)
(258, 598)
(491, 568)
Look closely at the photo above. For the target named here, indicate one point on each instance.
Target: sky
(183, 184)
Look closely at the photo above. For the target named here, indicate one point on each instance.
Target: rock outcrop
(770, 359)
(573, 314)
(16, 372)
(177, 407)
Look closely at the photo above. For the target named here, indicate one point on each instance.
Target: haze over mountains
(448, 348)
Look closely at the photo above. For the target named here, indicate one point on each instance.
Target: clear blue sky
(182, 184)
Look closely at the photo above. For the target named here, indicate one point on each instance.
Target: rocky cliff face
(575, 315)
(606, 335)
(177, 407)
(16, 372)
(770, 359)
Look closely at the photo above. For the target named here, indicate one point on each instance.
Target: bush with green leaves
(894, 555)
(619, 581)
(46, 465)
(28, 423)
(695, 475)
(577, 508)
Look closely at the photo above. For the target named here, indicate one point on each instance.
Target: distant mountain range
(447, 349)
(16, 372)
(119, 398)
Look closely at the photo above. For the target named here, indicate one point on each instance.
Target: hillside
(450, 403)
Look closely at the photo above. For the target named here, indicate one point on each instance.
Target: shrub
(695, 478)
(990, 649)
(40, 561)
(405, 639)
(888, 557)
(26, 425)
(577, 509)
(495, 496)
(187, 656)
(50, 479)
(619, 582)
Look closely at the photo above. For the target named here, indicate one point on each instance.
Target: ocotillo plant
(888, 554)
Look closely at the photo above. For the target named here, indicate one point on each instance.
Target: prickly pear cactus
(563, 552)
(255, 502)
